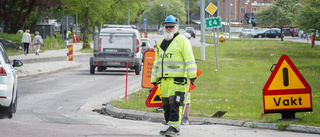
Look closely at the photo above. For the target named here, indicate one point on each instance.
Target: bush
(12, 37)
(53, 43)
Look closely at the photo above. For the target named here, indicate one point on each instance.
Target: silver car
(8, 84)
(183, 32)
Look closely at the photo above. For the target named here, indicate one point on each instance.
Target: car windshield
(189, 28)
(182, 31)
(145, 42)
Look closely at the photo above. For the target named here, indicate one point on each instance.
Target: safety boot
(171, 132)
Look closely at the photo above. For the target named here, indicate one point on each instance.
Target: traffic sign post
(214, 22)
(145, 24)
(286, 91)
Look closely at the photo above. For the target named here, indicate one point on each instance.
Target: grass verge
(237, 87)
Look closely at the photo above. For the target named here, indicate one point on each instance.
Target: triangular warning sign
(154, 99)
(221, 39)
(286, 79)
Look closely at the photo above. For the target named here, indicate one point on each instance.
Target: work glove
(192, 80)
(154, 83)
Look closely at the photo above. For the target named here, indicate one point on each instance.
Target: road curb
(158, 117)
(49, 72)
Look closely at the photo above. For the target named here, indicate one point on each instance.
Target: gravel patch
(36, 69)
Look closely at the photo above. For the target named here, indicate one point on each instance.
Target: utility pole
(203, 48)
(129, 12)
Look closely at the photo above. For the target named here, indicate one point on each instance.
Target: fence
(142, 27)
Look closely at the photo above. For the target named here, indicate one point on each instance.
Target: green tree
(282, 12)
(14, 13)
(309, 18)
(159, 16)
(93, 12)
(87, 10)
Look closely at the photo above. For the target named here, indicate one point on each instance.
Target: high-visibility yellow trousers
(172, 93)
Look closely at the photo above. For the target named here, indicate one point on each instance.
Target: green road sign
(214, 22)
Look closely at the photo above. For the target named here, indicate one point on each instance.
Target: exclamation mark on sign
(285, 77)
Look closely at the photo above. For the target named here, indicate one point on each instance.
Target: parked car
(160, 31)
(145, 46)
(191, 31)
(246, 32)
(8, 84)
(286, 31)
(269, 33)
(183, 32)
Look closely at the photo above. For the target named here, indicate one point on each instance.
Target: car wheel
(260, 36)
(15, 106)
(9, 111)
(92, 68)
(137, 69)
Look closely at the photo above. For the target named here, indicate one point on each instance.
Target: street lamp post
(225, 21)
(188, 15)
(229, 19)
(129, 12)
(166, 9)
(250, 17)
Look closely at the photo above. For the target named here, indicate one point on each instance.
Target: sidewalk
(46, 63)
(50, 54)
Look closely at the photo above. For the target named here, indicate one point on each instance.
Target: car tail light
(98, 63)
(3, 97)
(150, 49)
(3, 72)
(100, 45)
(137, 46)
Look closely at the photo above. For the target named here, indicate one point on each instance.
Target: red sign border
(284, 91)
(149, 99)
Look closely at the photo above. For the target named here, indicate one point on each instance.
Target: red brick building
(240, 9)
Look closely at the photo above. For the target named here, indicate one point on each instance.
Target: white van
(114, 48)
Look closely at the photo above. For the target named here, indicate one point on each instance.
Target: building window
(243, 10)
(254, 9)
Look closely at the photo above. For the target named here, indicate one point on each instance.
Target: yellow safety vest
(176, 61)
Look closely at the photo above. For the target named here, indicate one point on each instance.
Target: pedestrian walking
(37, 42)
(174, 64)
(26, 40)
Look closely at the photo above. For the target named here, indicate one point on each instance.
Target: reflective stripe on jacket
(176, 61)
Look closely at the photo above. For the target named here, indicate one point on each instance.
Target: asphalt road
(61, 104)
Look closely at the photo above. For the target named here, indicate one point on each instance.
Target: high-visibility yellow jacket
(176, 61)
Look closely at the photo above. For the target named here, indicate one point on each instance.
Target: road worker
(174, 64)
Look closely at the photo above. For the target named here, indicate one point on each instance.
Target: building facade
(240, 9)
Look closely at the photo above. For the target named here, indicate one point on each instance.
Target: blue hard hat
(171, 19)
